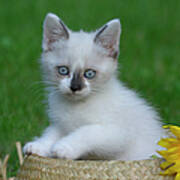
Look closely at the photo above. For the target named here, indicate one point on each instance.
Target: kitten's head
(78, 63)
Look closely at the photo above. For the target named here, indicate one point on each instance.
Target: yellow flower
(172, 152)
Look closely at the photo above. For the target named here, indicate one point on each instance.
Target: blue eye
(89, 74)
(63, 70)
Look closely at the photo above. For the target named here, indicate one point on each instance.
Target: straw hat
(37, 168)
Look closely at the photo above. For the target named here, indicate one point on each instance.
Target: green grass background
(149, 59)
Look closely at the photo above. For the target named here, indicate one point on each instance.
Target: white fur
(105, 119)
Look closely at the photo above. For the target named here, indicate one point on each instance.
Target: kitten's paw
(64, 150)
(35, 147)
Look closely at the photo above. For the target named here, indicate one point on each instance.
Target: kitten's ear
(53, 30)
(109, 36)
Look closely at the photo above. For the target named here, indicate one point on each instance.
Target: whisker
(39, 89)
(54, 91)
(45, 82)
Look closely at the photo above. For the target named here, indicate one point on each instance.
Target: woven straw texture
(37, 168)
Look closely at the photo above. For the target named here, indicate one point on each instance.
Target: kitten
(90, 111)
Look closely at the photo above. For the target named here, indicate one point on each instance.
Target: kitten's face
(78, 64)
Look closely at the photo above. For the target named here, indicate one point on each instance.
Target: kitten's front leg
(101, 140)
(42, 145)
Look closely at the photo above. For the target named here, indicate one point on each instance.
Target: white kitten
(91, 112)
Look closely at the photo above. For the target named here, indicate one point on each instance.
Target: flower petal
(163, 154)
(175, 130)
(173, 150)
(177, 166)
(168, 142)
(166, 126)
(166, 164)
(177, 176)
(170, 171)
(173, 157)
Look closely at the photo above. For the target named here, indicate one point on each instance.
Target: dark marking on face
(65, 29)
(114, 55)
(77, 82)
(100, 31)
